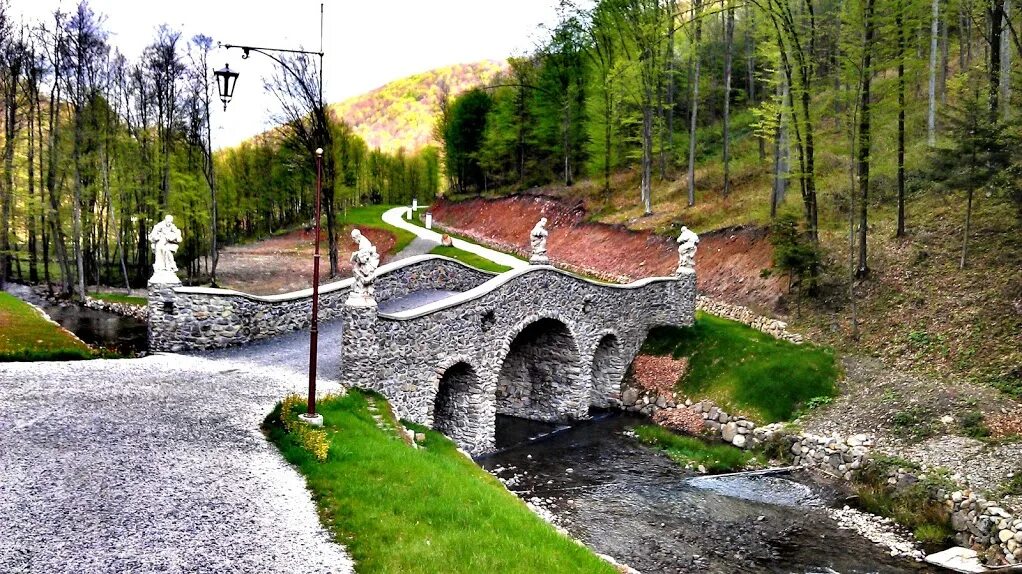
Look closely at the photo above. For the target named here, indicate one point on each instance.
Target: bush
(973, 426)
(692, 451)
(313, 440)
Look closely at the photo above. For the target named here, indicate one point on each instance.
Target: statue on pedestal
(687, 243)
(164, 239)
(364, 262)
(538, 239)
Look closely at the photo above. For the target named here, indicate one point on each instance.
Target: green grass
(747, 371)
(398, 509)
(469, 259)
(369, 216)
(27, 336)
(691, 451)
(119, 298)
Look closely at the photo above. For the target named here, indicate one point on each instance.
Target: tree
(980, 148)
(865, 141)
(463, 139)
(729, 36)
(694, 107)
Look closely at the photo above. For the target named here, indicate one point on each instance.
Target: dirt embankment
(729, 260)
(283, 264)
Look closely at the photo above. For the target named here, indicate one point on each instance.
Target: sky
(367, 43)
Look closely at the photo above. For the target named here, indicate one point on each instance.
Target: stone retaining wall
(773, 327)
(139, 312)
(194, 318)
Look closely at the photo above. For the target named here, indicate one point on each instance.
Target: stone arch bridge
(451, 346)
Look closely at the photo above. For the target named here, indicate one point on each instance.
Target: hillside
(400, 114)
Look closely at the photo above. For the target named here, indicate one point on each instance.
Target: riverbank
(27, 334)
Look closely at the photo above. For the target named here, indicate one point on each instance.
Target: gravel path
(415, 299)
(158, 464)
(418, 246)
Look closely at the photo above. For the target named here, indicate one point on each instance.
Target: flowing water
(124, 335)
(633, 503)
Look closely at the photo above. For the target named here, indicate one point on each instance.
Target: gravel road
(158, 464)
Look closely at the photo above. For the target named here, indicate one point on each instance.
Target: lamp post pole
(226, 80)
(314, 328)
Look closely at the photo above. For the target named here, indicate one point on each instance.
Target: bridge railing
(197, 318)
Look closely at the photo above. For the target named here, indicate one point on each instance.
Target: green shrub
(972, 424)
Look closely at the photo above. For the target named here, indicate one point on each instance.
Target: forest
(861, 98)
(97, 145)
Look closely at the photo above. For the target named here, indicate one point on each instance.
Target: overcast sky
(367, 42)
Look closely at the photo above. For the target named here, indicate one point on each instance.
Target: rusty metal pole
(314, 328)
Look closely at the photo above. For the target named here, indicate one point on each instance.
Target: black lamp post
(226, 80)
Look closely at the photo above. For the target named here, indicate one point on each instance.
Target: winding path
(394, 217)
(158, 464)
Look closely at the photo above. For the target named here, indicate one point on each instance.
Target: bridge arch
(458, 410)
(539, 373)
(607, 370)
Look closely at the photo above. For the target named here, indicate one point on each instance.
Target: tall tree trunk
(901, 116)
(667, 136)
(729, 35)
(750, 70)
(864, 136)
(33, 255)
(968, 221)
(780, 151)
(1005, 72)
(694, 107)
(931, 113)
(996, 27)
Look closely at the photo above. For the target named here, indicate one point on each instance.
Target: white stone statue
(164, 239)
(538, 238)
(364, 262)
(687, 243)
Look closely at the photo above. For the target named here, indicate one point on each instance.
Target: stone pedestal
(162, 313)
(539, 260)
(360, 347)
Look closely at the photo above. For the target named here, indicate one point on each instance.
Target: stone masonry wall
(415, 348)
(777, 329)
(189, 318)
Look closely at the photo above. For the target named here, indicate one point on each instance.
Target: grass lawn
(691, 451)
(469, 259)
(745, 370)
(26, 336)
(403, 510)
(120, 298)
(370, 216)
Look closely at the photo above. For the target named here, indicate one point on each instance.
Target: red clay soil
(284, 263)
(728, 262)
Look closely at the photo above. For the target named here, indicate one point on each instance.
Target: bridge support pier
(360, 348)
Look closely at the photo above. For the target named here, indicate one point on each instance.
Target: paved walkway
(158, 464)
(418, 246)
(394, 217)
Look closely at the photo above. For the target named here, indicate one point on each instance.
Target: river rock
(739, 441)
(1006, 535)
(729, 431)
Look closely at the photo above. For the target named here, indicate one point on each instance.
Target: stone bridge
(452, 346)
(536, 343)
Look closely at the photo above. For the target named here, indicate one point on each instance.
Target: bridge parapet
(198, 318)
(535, 342)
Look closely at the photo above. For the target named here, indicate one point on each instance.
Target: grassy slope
(26, 336)
(744, 370)
(691, 451)
(469, 259)
(370, 216)
(429, 510)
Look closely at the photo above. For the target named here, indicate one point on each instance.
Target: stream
(126, 336)
(631, 502)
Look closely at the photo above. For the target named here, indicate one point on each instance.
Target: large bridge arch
(539, 370)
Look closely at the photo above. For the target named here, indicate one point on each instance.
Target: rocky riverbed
(634, 504)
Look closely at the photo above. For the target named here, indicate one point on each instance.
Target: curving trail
(394, 217)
